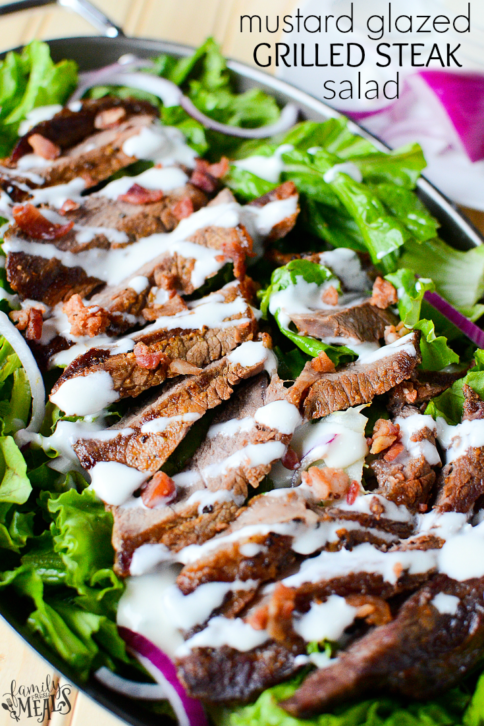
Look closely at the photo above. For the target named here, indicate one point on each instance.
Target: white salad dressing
(139, 283)
(269, 168)
(446, 604)
(457, 440)
(55, 196)
(225, 631)
(346, 265)
(85, 395)
(410, 427)
(114, 482)
(325, 621)
(147, 557)
(162, 144)
(160, 424)
(347, 168)
(165, 180)
(251, 353)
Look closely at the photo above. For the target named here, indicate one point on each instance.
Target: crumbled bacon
(109, 118)
(327, 483)
(259, 618)
(160, 489)
(181, 367)
(330, 296)
(33, 223)
(290, 459)
(44, 147)
(175, 304)
(237, 249)
(205, 176)
(183, 208)
(384, 294)
(322, 363)
(137, 194)
(393, 452)
(219, 169)
(29, 319)
(352, 492)
(149, 359)
(385, 434)
(281, 607)
(392, 333)
(84, 319)
(370, 608)
(376, 507)
(69, 206)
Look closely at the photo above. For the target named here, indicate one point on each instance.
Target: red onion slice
(133, 689)
(171, 95)
(98, 77)
(470, 329)
(188, 711)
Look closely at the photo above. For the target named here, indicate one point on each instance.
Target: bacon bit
(183, 208)
(259, 618)
(86, 320)
(397, 569)
(281, 607)
(370, 608)
(33, 223)
(109, 118)
(175, 304)
(204, 181)
(69, 206)
(149, 359)
(385, 433)
(137, 194)
(160, 489)
(392, 333)
(352, 492)
(376, 507)
(322, 363)
(330, 296)
(384, 294)
(219, 169)
(237, 249)
(393, 452)
(31, 320)
(44, 147)
(290, 459)
(180, 367)
(165, 280)
(327, 483)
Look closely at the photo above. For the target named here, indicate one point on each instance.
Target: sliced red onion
(470, 329)
(133, 689)
(98, 77)
(287, 119)
(171, 95)
(315, 453)
(188, 711)
(37, 389)
(462, 96)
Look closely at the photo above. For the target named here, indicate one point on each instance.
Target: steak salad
(242, 403)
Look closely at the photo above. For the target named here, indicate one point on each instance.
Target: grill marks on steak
(186, 522)
(86, 151)
(199, 347)
(319, 395)
(363, 322)
(462, 480)
(421, 654)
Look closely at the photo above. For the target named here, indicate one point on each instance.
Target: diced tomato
(160, 489)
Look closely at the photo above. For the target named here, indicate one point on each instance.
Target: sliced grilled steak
(418, 391)
(423, 652)
(405, 470)
(290, 525)
(462, 480)
(86, 149)
(149, 435)
(319, 394)
(362, 322)
(206, 502)
(169, 342)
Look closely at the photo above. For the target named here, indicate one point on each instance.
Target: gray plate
(91, 53)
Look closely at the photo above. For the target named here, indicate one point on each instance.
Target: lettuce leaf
(458, 276)
(28, 80)
(410, 294)
(436, 354)
(450, 403)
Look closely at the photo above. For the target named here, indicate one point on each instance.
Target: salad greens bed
(55, 536)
